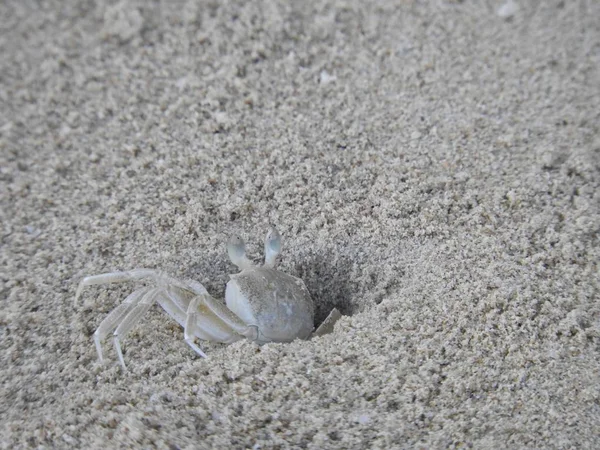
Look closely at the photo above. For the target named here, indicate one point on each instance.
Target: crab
(262, 304)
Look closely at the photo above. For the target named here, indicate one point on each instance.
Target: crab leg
(132, 318)
(230, 318)
(130, 275)
(223, 312)
(174, 304)
(207, 326)
(111, 321)
(203, 323)
(190, 326)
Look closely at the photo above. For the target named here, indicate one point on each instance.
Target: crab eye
(274, 240)
(236, 248)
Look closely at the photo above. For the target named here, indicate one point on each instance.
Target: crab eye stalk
(236, 249)
(272, 247)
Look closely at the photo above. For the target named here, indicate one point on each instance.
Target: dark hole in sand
(327, 277)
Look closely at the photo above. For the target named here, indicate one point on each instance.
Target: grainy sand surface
(433, 167)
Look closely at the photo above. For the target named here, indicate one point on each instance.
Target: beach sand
(433, 168)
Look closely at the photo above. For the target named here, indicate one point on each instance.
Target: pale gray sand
(434, 171)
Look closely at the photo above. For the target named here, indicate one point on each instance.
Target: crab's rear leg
(130, 275)
(133, 317)
(113, 319)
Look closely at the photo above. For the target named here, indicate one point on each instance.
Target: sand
(433, 167)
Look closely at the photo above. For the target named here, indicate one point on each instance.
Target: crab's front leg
(211, 320)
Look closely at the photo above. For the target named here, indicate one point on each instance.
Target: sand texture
(433, 167)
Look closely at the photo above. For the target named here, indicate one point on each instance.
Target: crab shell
(279, 305)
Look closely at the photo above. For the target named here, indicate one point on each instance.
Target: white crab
(263, 304)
